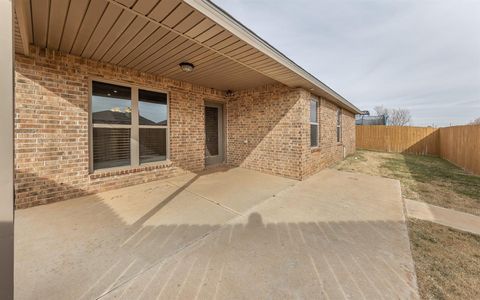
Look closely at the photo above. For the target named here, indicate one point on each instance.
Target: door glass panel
(211, 131)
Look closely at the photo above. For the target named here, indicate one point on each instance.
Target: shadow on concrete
(162, 204)
(279, 260)
(85, 248)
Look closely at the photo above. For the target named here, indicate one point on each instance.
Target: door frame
(221, 157)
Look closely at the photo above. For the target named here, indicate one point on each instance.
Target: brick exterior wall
(329, 150)
(267, 129)
(348, 132)
(264, 130)
(51, 128)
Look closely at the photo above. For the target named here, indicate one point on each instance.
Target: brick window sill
(129, 169)
(315, 149)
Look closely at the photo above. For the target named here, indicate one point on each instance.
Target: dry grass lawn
(447, 261)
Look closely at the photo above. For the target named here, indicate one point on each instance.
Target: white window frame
(134, 126)
(339, 125)
(314, 123)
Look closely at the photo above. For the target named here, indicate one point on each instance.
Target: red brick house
(111, 93)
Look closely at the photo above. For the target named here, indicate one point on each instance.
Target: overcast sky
(423, 55)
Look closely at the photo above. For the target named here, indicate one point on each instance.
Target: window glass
(111, 104)
(313, 111)
(313, 135)
(153, 144)
(111, 147)
(211, 131)
(339, 125)
(152, 108)
(313, 123)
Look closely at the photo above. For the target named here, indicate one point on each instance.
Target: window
(313, 123)
(112, 123)
(129, 126)
(152, 109)
(339, 125)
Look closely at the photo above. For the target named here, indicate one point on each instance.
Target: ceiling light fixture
(186, 66)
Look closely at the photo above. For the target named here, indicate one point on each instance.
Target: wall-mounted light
(229, 93)
(186, 66)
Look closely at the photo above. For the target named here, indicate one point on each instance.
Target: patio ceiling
(154, 36)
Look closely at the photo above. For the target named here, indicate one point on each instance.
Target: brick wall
(267, 129)
(51, 128)
(348, 132)
(329, 150)
(264, 130)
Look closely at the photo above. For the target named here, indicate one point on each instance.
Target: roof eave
(225, 20)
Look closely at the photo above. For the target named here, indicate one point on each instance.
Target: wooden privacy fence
(461, 146)
(458, 144)
(401, 139)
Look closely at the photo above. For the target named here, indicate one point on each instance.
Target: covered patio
(224, 233)
(112, 93)
(177, 136)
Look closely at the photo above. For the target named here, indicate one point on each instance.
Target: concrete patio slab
(62, 251)
(235, 188)
(319, 239)
(336, 235)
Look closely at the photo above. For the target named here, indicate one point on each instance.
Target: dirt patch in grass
(447, 261)
(423, 178)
